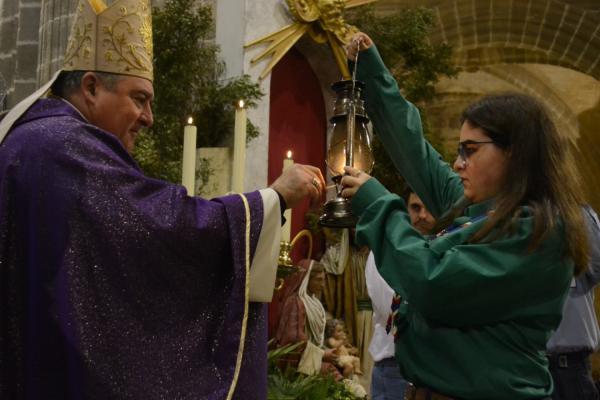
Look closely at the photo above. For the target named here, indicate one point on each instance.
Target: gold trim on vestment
(238, 363)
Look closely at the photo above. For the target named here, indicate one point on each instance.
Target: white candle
(188, 168)
(286, 229)
(239, 149)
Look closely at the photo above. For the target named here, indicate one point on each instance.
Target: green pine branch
(188, 81)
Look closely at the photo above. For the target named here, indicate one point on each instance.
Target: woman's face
(483, 173)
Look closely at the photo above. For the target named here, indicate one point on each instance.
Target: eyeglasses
(464, 152)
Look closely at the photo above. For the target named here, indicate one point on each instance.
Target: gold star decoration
(322, 20)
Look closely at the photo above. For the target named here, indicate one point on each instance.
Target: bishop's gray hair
(70, 81)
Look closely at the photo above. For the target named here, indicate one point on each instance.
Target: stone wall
(19, 40)
(33, 39)
(55, 25)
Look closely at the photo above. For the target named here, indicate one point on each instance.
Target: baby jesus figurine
(335, 331)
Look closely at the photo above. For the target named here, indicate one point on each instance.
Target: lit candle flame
(241, 103)
(190, 120)
(289, 154)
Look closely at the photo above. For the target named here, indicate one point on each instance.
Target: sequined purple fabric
(114, 285)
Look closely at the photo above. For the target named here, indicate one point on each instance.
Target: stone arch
(484, 32)
(527, 82)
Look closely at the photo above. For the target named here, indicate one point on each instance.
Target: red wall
(297, 123)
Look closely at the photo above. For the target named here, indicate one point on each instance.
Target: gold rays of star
(322, 20)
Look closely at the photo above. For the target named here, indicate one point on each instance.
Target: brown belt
(415, 393)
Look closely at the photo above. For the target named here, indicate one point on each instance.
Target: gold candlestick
(285, 266)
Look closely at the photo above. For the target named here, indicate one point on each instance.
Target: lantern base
(337, 214)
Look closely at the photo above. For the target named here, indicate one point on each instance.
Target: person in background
(577, 336)
(386, 381)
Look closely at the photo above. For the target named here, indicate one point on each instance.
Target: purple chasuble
(114, 285)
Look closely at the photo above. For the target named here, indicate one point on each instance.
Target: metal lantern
(350, 144)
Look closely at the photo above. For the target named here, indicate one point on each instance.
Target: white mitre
(114, 39)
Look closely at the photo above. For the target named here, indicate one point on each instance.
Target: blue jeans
(386, 382)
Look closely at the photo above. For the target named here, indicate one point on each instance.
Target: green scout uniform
(475, 318)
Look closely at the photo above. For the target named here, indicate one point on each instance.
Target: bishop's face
(124, 109)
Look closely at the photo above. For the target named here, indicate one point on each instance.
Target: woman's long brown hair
(541, 173)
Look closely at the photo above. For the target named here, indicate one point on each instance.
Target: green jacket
(475, 317)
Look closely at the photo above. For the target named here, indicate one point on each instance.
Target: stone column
(239, 22)
(9, 14)
(229, 35)
(18, 48)
(55, 25)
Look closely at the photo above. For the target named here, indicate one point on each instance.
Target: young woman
(480, 299)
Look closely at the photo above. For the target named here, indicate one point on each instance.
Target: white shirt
(382, 344)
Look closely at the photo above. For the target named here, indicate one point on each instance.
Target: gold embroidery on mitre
(115, 39)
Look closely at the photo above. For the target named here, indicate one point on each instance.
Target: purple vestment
(114, 285)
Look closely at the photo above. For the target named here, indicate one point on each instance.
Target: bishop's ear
(89, 86)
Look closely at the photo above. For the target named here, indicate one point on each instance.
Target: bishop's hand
(299, 181)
